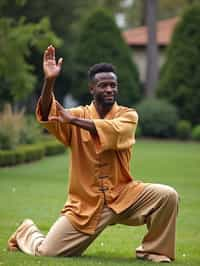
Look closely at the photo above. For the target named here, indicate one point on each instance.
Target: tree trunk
(152, 49)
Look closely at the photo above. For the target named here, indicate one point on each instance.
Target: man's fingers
(54, 118)
(51, 50)
(49, 53)
(60, 61)
(45, 57)
(60, 107)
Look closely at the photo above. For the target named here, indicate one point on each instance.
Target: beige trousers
(156, 207)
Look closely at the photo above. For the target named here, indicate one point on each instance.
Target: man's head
(103, 83)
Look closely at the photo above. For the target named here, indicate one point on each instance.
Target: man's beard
(101, 99)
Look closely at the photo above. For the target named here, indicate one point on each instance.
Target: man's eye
(102, 86)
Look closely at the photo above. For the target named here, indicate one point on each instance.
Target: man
(101, 190)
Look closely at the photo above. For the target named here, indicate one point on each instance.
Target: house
(137, 39)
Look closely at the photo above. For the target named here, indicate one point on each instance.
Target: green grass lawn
(38, 191)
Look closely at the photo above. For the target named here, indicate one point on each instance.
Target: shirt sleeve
(62, 131)
(117, 133)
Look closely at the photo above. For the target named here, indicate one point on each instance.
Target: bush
(31, 131)
(101, 41)
(33, 152)
(21, 155)
(138, 132)
(196, 133)
(157, 118)
(17, 129)
(183, 129)
(180, 78)
(29, 153)
(53, 147)
(11, 125)
(7, 158)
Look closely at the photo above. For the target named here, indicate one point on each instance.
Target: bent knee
(171, 195)
(166, 192)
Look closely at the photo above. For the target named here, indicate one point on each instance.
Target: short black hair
(99, 68)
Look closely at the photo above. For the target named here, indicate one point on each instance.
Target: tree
(180, 79)
(64, 19)
(17, 79)
(135, 14)
(101, 41)
(152, 49)
(60, 17)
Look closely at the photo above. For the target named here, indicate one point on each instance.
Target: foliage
(10, 129)
(32, 152)
(53, 147)
(31, 131)
(60, 18)
(196, 133)
(135, 13)
(180, 79)
(16, 73)
(138, 132)
(157, 118)
(21, 155)
(17, 129)
(101, 41)
(183, 129)
(64, 20)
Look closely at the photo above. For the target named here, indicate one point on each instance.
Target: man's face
(104, 88)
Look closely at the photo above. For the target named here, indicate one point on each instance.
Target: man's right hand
(50, 67)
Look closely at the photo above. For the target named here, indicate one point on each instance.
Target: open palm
(50, 66)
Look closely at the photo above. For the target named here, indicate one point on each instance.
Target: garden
(34, 165)
(38, 191)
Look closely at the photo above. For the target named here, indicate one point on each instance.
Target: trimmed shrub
(7, 158)
(157, 118)
(29, 153)
(180, 79)
(101, 41)
(53, 147)
(21, 155)
(183, 129)
(33, 152)
(196, 133)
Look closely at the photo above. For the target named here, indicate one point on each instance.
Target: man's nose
(108, 88)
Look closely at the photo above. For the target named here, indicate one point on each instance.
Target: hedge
(53, 147)
(29, 153)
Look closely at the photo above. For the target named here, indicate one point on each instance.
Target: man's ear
(91, 88)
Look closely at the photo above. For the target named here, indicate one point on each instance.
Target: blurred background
(155, 46)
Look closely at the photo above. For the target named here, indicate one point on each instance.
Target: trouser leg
(157, 208)
(62, 239)
(28, 237)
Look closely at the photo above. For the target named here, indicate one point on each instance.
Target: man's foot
(152, 257)
(12, 242)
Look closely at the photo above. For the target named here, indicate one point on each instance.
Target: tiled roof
(138, 36)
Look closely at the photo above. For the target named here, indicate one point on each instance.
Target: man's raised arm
(51, 72)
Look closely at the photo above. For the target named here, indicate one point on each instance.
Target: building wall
(139, 57)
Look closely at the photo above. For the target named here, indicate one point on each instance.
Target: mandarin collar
(109, 115)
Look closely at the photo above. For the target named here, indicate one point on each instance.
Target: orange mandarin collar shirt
(99, 172)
